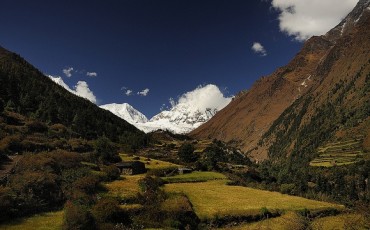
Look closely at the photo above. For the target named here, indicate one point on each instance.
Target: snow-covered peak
(126, 112)
(81, 89)
(186, 114)
(190, 111)
(60, 82)
(350, 21)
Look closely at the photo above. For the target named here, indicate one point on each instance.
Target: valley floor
(217, 204)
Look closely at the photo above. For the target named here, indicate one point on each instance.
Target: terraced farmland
(149, 163)
(195, 177)
(340, 153)
(215, 198)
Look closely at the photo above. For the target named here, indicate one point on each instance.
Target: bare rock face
(324, 62)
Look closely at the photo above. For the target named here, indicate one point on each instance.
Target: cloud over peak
(259, 49)
(202, 98)
(303, 19)
(80, 89)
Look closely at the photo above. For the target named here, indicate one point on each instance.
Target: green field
(339, 153)
(149, 163)
(216, 199)
(195, 177)
(126, 188)
(290, 220)
(44, 221)
(342, 221)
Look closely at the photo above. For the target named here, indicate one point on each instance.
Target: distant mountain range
(182, 118)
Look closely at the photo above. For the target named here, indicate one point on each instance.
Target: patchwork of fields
(210, 196)
(340, 153)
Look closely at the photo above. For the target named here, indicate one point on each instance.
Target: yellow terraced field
(195, 177)
(215, 198)
(342, 221)
(287, 221)
(152, 164)
(44, 221)
(126, 188)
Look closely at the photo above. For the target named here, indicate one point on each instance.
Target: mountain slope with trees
(329, 75)
(26, 91)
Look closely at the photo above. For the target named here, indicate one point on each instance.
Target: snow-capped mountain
(190, 111)
(60, 82)
(126, 112)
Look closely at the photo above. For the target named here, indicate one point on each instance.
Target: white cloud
(144, 92)
(202, 98)
(259, 49)
(91, 74)
(68, 71)
(172, 102)
(303, 19)
(128, 92)
(80, 89)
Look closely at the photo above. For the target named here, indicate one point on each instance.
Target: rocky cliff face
(338, 59)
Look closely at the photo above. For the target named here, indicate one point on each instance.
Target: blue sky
(166, 46)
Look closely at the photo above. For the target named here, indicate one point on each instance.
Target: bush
(186, 153)
(36, 127)
(7, 203)
(105, 151)
(107, 210)
(287, 188)
(112, 172)
(77, 217)
(88, 184)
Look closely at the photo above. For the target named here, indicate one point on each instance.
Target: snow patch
(304, 83)
(126, 112)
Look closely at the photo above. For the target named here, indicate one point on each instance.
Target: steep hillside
(26, 91)
(329, 73)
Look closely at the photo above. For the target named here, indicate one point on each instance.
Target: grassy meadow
(43, 221)
(341, 221)
(289, 220)
(149, 163)
(216, 199)
(126, 188)
(195, 177)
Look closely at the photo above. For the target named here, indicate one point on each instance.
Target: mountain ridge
(247, 119)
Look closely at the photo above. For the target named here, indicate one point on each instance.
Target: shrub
(112, 172)
(105, 151)
(7, 203)
(287, 188)
(265, 212)
(186, 153)
(77, 217)
(36, 127)
(107, 210)
(88, 184)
